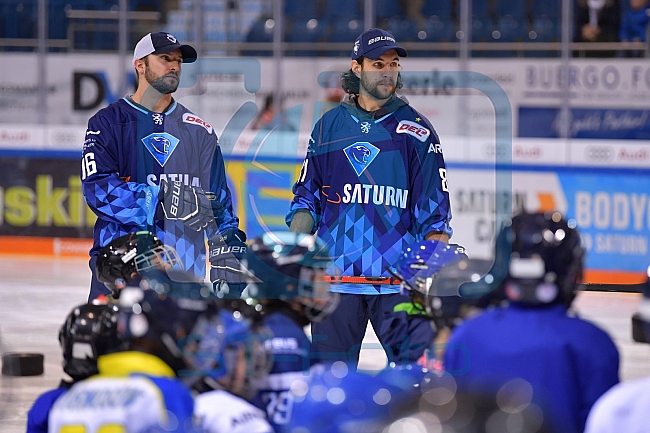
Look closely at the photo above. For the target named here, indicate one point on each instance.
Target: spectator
(634, 26)
(597, 21)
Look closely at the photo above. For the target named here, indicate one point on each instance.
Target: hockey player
(373, 182)
(150, 164)
(136, 388)
(287, 273)
(535, 343)
(89, 331)
(229, 356)
(411, 327)
(624, 408)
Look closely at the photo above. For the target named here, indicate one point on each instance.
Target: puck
(22, 364)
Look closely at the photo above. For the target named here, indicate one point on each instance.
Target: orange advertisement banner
(41, 246)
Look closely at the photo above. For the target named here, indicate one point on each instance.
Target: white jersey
(221, 412)
(134, 404)
(624, 408)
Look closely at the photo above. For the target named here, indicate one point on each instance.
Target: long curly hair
(350, 82)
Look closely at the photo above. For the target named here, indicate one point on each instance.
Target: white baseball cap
(161, 43)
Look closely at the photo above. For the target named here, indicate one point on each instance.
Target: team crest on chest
(160, 145)
(360, 155)
(365, 127)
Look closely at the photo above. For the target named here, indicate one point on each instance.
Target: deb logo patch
(160, 145)
(412, 128)
(191, 118)
(360, 155)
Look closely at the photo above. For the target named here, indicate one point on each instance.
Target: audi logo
(599, 153)
(492, 150)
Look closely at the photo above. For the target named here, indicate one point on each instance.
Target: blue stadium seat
(300, 9)
(544, 30)
(344, 31)
(303, 30)
(58, 22)
(403, 29)
(550, 9)
(341, 10)
(440, 9)
(385, 9)
(260, 32)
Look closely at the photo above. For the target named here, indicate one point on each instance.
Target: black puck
(22, 364)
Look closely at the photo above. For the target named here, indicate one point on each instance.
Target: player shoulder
(193, 120)
(413, 123)
(620, 406)
(112, 112)
(221, 407)
(585, 327)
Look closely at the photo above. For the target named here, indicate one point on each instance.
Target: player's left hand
(225, 252)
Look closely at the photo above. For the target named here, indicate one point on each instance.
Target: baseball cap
(161, 43)
(375, 42)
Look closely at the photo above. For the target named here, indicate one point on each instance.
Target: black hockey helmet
(544, 257)
(90, 330)
(122, 260)
(291, 267)
(155, 323)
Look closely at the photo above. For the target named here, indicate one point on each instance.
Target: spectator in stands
(266, 119)
(597, 21)
(634, 26)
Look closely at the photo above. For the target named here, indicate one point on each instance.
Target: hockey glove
(185, 203)
(225, 252)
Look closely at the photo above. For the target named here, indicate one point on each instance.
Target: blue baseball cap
(375, 42)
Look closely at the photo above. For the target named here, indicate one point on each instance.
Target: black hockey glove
(185, 203)
(225, 252)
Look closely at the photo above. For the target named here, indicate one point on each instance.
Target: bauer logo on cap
(375, 42)
(161, 43)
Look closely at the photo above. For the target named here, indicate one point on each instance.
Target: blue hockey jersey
(127, 152)
(291, 361)
(568, 362)
(133, 392)
(374, 184)
(39, 413)
(334, 399)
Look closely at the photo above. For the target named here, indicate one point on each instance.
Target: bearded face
(163, 82)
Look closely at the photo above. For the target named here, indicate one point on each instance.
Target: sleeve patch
(191, 118)
(412, 128)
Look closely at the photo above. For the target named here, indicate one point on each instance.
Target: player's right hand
(185, 203)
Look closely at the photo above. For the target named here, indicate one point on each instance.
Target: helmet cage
(314, 294)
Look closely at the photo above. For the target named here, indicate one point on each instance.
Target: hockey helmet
(90, 330)
(291, 267)
(122, 260)
(544, 258)
(153, 322)
(419, 263)
(230, 348)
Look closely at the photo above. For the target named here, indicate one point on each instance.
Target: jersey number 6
(88, 165)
